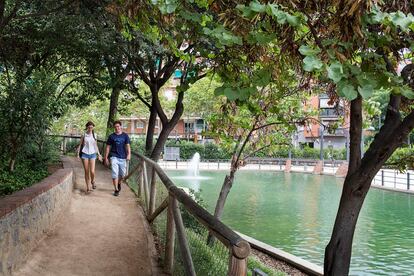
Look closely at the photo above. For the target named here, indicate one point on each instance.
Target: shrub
(402, 159)
(23, 176)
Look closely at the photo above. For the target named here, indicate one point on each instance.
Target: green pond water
(296, 212)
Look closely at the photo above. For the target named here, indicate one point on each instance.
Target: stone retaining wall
(27, 215)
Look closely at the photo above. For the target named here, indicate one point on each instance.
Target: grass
(207, 260)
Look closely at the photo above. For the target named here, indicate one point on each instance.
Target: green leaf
(347, 90)
(335, 72)
(219, 91)
(257, 7)
(231, 93)
(366, 91)
(246, 11)
(311, 63)
(262, 77)
(407, 92)
(293, 20)
(308, 51)
(262, 38)
(401, 20)
(182, 88)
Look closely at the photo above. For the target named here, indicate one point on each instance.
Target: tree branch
(313, 32)
(256, 151)
(72, 81)
(178, 108)
(157, 104)
(247, 139)
(355, 132)
(136, 92)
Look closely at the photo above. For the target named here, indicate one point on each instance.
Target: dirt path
(98, 234)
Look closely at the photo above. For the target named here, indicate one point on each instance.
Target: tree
(263, 121)
(170, 36)
(356, 46)
(34, 63)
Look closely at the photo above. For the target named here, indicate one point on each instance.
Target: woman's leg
(92, 170)
(85, 163)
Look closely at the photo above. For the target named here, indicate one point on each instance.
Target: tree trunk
(162, 139)
(113, 108)
(13, 155)
(167, 125)
(11, 164)
(358, 180)
(150, 131)
(224, 192)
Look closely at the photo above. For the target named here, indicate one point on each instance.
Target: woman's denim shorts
(88, 156)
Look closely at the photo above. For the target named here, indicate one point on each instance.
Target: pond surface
(295, 212)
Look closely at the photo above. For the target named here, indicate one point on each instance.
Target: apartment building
(187, 128)
(322, 132)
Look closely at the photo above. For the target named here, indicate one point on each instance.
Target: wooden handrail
(221, 231)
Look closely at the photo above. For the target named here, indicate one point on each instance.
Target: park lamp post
(321, 130)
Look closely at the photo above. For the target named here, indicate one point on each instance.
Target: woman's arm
(80, 144)
(97, 148)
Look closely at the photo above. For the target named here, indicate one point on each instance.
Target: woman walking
(88, 151)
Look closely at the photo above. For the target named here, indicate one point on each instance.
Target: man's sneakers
(116, 193)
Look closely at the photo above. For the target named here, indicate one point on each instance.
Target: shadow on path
(98, 234)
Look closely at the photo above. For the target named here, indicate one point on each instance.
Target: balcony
(338, 132)
(330, 113)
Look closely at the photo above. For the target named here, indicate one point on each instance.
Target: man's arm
(128, 148)
(108, 147)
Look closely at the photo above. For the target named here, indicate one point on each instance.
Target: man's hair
(117, 122)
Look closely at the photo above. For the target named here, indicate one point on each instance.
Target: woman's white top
(89, 144)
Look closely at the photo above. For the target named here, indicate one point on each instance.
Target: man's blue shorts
(118, 167)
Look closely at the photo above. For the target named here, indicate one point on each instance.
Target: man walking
(118, 148)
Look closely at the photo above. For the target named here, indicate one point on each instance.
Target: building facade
(330, 129)
(188, 128)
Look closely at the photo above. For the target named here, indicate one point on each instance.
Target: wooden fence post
(182, 240)
(238, 259)
(153, 192)
(170, 238)
(145, 178)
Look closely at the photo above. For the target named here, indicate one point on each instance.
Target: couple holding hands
(118, 150)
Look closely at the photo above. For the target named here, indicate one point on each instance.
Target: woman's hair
(89, 123)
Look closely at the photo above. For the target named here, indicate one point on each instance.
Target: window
(125, 125)
(189, 127)
(139, 124)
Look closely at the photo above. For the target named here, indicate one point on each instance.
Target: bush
(138, 145)
(402, 159)
(214, 151)
(23, 176)
(31, 165)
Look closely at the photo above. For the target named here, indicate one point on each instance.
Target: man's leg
(122, 172)
(115, 174)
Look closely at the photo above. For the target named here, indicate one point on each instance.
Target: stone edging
(27, 215)
(300, 264)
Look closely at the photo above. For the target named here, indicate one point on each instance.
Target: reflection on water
(296, 212)
(194, 180)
